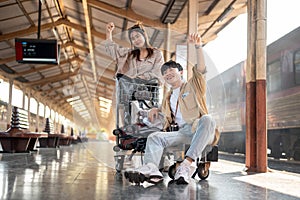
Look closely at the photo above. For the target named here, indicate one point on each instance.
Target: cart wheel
(130, 129)
(202, 173)
(119, 161)
(116, 148)
(172, 171)
(116, 132)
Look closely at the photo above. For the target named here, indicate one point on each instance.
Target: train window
(274, 76)
(232, 91)
(297, 67)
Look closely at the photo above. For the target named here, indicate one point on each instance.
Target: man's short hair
(170, 64)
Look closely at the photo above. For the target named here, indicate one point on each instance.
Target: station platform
(86, 171)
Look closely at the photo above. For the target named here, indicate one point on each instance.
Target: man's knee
(211, 123)
(153, 137)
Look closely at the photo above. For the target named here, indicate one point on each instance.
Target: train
(283, 101)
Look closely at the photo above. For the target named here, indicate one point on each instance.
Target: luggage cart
(134, 97)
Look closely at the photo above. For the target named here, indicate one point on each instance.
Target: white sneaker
(182, 174)
(148, 172)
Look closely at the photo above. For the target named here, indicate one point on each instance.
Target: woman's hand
(109, 29)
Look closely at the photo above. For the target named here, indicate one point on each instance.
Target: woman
(141, 60)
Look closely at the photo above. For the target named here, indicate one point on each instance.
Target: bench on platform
(52, 141)
(79, 138)
(82, 137)
(65, 139)
(18, 138)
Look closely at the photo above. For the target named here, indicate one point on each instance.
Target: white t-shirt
(173, 102)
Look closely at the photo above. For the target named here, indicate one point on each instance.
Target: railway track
(275, 164)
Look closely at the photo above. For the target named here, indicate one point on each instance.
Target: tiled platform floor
(86, 171)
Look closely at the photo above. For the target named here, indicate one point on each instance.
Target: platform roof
(82, 86)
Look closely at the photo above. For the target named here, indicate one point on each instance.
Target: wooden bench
(65, 139)
(52, 141)
(75, 139)
(18, 138)
(82, 138)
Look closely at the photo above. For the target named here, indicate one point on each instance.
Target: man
(184, 108)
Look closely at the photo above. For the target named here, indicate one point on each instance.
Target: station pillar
(256, 129)
(192, 28)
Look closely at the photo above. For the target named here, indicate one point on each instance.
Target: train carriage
(283, 101)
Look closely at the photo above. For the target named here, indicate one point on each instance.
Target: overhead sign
(37, 51)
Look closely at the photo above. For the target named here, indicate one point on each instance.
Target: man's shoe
(182, 174)
(148, 172)
(151, 172)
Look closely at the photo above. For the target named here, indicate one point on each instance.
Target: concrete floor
(87, 171)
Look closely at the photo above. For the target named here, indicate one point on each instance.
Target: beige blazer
(192, 102)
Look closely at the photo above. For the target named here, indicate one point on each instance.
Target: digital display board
(37, 51)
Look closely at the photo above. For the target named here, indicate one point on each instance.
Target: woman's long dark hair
(135, 53)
